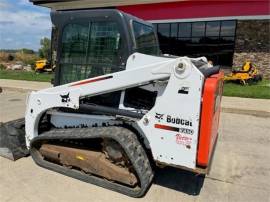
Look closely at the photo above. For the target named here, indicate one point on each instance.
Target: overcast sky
(22, 24)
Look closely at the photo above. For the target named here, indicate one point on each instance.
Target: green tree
(44, 51)
(27, 51)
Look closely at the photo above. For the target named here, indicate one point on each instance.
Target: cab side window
(145, 39)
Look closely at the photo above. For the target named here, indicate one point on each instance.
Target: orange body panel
(210, 112)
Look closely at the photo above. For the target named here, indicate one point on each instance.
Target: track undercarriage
(110, 157)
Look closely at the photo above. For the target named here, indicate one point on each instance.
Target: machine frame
(167, 145)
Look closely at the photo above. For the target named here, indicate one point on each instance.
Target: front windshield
(89, 49)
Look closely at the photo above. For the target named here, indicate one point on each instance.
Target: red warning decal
(91, 81)
(165, 127)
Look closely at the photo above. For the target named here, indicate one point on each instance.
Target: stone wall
(253, 44)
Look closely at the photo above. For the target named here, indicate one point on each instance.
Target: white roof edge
(79, 4)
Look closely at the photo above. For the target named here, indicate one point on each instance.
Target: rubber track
(126, 138)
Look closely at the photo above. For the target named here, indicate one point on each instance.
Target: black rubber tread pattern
(126, 138)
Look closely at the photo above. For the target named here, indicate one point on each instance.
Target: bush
(27, 59)
(4, 56)
(2, 67)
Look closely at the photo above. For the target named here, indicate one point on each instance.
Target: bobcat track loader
(118, 108)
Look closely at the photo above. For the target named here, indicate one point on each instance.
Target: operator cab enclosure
(90, 43)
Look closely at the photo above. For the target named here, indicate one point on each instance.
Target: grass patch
(259, 90)
(27, 76)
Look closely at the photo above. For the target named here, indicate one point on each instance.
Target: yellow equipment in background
(248, 73)
(43, 65)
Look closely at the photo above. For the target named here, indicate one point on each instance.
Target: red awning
(198, 9)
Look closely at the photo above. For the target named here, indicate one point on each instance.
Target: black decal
(179, 121)
(183, 90)
(175, 129)
(159, 116)
(169, 119)
(186, 131)
(65, 98)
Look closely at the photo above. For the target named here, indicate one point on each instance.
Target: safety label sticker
(183, 140)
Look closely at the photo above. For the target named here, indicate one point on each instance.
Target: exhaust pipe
(12, 140)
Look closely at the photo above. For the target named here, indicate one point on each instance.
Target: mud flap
(12, 140)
